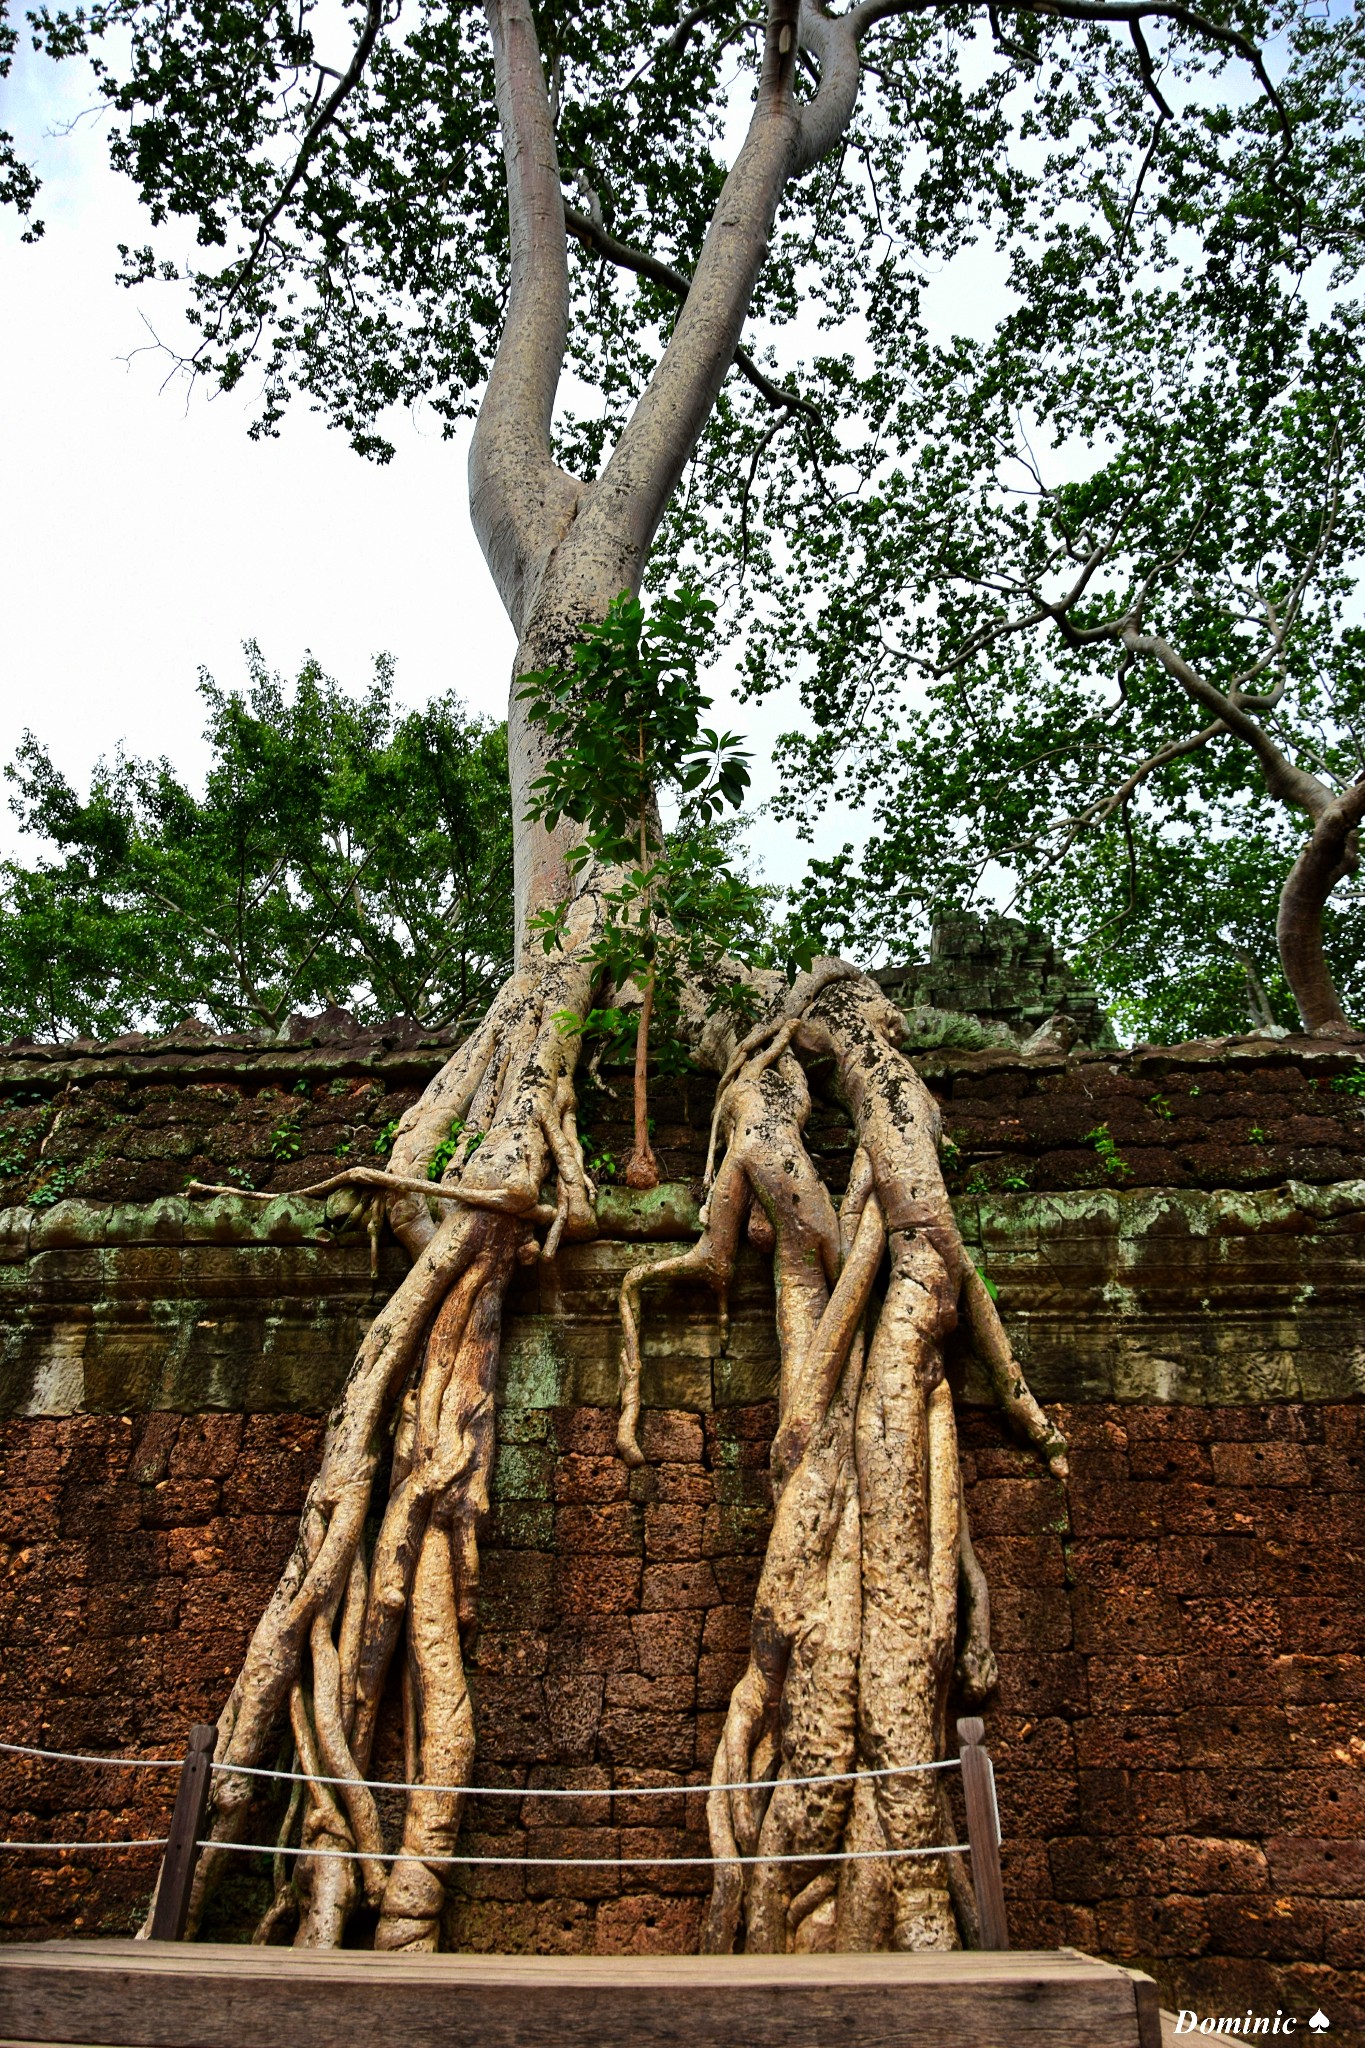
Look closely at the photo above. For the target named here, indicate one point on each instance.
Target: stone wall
(1178, 1730)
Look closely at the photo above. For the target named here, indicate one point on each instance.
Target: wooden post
(983, 1833)
(172, 1907)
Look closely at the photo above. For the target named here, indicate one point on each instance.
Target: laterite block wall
(1180, 1728)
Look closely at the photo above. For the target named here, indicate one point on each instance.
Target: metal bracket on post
(983, 1833)
(172, 1907)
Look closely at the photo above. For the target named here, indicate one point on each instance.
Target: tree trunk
(1331, 852)
(855, 1625)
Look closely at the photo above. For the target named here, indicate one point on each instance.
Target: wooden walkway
(127, 1994)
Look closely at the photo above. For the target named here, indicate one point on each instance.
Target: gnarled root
(423, 1384)
(855, 1623)
(855, 1620)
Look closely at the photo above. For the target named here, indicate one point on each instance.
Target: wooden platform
(127, 1994)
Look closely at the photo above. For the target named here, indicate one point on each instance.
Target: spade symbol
(1319, 2022)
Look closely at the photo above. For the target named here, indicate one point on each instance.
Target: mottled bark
(855, 1623)
(1331, 851)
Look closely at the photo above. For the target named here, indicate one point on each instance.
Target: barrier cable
(948, 1763)
(591, 1862)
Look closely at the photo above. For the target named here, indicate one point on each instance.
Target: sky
(143, 534)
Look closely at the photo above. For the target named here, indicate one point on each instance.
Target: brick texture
(1178, 1732)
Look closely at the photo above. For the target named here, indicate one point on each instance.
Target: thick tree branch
(833, 42)
(1287, 783)
(620, 520)
(594, 236)
(1329, 854)
(520, 500)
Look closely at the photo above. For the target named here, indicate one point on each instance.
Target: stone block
(668, 1587)
(1215, 1737)
(1042, 1685)
(663, 1694)
(647, 1736)
(609, 1528)
(1140, 1928)
(671, 1437)
(1097, 1867)
(582, 1479)
(643, 1924)
(1201, 1864)
(596, 1585)
(667, 1643)
(1266, 1928)
(1327, 1867)
(673, 1533)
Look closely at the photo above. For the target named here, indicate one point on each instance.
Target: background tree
(1139, 671)
(387, 220)
(343, 852)
(1083, 632)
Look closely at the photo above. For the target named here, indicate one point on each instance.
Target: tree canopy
(1129, 659)
(1167, 205)
(343, 851)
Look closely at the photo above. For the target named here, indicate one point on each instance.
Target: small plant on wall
(625, 719)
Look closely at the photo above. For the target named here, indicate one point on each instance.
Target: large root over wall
(855, 1621)
(855, 1624)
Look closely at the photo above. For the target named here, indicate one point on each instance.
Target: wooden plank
(142, 1995)
(1148, 2010)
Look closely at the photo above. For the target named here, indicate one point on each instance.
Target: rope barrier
(948, 1763)
(148, 1842)
(522, 1792)
(591, 1862)
(168, 1763)
(117, 1763)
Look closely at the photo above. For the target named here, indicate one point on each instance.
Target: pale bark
(1329, 855)
(855, 1619)
(854, 1626)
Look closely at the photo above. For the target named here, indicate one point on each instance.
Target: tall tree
(461, 211)
(342, 852)
(1088, 626)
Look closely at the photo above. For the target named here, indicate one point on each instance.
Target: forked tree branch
(1286, 782)
(621, 516)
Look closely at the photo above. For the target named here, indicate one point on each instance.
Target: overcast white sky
(141, 536)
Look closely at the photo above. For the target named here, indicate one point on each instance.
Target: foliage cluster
(896, 514)
(626, 721)
(343, 851)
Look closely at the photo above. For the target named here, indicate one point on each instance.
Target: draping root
(421, 1395)
(856, 1618)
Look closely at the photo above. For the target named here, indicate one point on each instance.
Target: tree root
(424, 1384)
(856, 1617)
(869, 1579)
